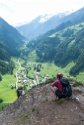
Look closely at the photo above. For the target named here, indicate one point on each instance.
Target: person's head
(59, 75)
(21, 87)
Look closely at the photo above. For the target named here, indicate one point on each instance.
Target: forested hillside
(10, 41)
(61, 46)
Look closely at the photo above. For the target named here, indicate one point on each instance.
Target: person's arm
(54, 84)
(53, 87)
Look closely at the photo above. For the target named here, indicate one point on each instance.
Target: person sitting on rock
(19, 91)
(61, 87)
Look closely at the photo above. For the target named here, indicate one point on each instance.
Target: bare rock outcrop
(40, 107)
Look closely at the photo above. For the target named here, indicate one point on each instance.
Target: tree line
(66, 46)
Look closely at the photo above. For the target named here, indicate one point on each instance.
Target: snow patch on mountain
(46, 17)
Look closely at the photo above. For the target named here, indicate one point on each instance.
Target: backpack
(67, 90)
(19, 92)
(64, 82)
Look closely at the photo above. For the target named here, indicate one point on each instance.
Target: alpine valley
(58, 38)
(63, 42)
(30, 57)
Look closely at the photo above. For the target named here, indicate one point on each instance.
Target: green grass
(15, 60)
(22, 119)
(60, 101)
(51, 69)
(6, 92)
(9, 95)
(2, 105)
(80, 77)
(32, 56)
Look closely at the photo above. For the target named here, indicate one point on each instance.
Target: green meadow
(9, 95)
(51, 69)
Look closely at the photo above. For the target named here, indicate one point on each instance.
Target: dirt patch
(58, 112)
(52, 113)
(41, 107)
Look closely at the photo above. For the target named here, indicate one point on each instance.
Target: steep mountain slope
(39, 26)
(40, 107)
(10, 37)
(42, 24)
(10, 41)
(62, 47)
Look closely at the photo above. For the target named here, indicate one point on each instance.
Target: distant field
(9, 95)
(52, 69)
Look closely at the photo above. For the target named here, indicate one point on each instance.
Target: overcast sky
(18, 11)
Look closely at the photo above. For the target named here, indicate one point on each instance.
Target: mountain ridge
(34, 28)
(65, 44)
(39, 27)
(10, 41)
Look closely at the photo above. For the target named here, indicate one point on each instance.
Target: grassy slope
(53, 69)
(9, 95)
(80, 76)
(6, 93)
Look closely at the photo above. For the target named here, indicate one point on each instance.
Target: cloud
(15, 11)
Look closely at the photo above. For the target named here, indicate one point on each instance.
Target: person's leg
(59, 94)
